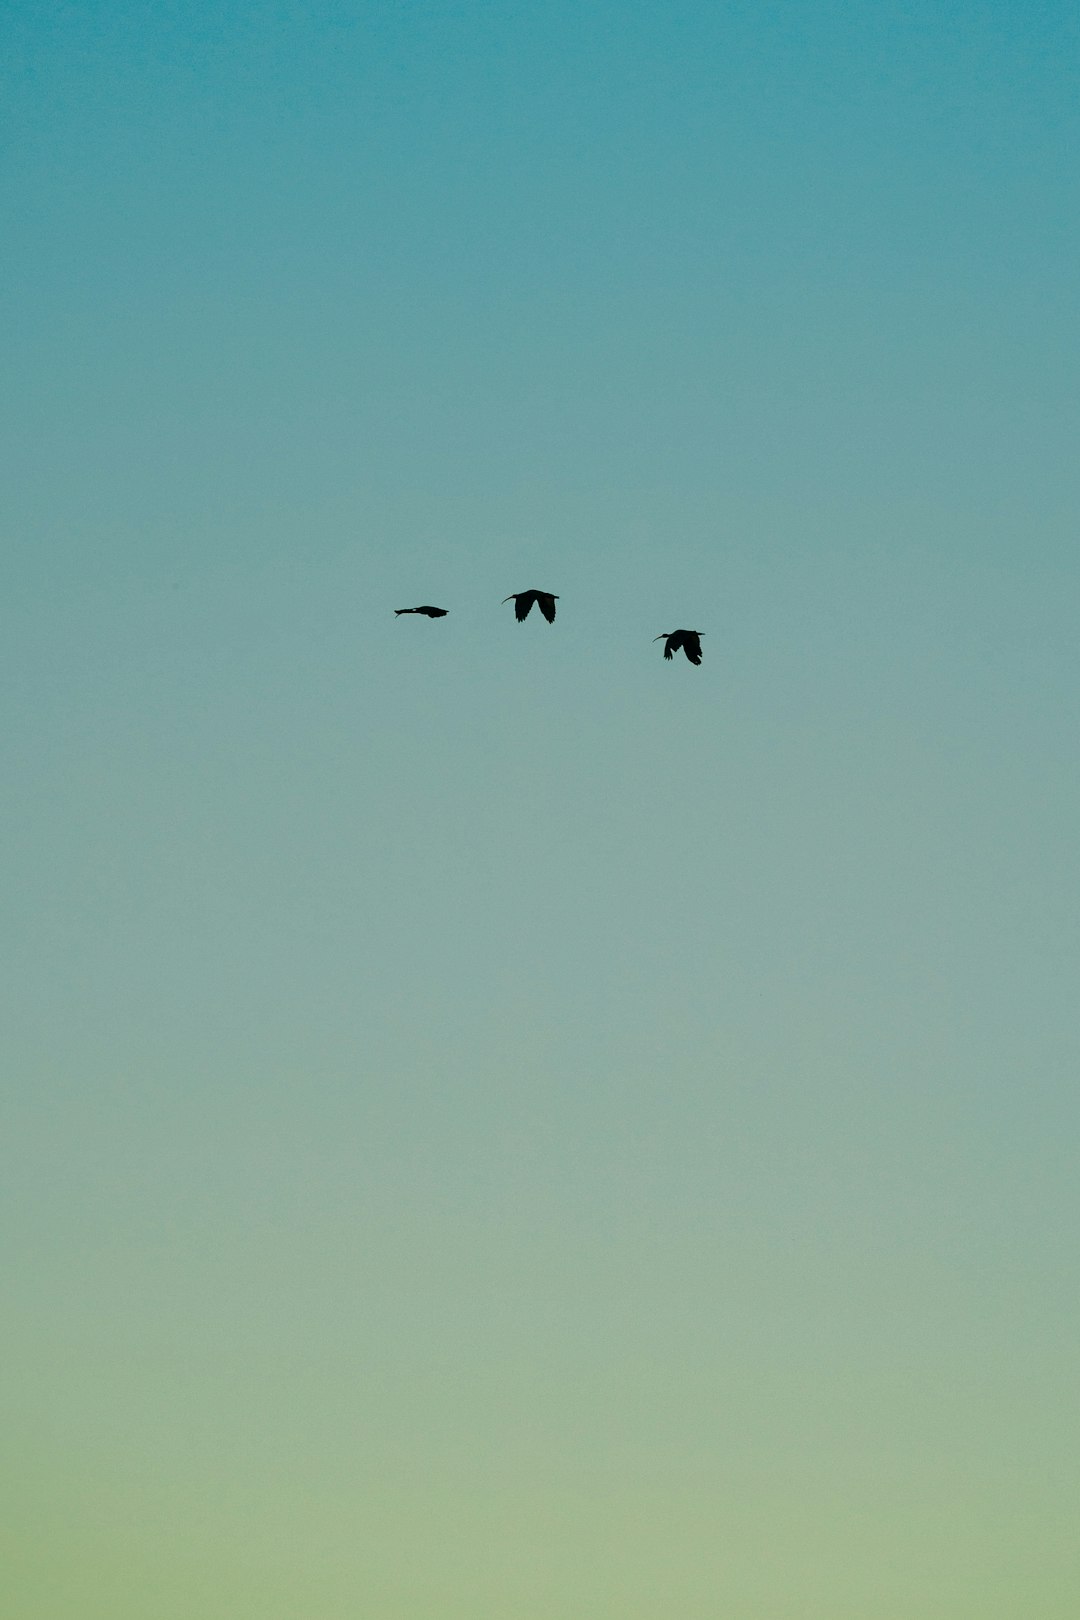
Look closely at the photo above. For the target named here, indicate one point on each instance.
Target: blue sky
(499, 1124)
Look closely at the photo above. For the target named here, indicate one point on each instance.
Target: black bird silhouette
(688, 640)
(523, 601)
(432, 613)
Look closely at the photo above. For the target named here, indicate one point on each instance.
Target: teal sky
(496, 1126)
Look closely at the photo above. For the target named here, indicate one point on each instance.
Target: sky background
(497, 1126)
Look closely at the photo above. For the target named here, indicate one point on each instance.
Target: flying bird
(523, 601)
(432, 613)
(688, 640)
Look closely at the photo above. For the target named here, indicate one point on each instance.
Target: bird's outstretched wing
(523, 605)
(691, 643)
(670, 645)
(546, 603)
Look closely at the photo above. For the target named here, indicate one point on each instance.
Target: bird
(688, 640)
(523, 601)
(432, 613)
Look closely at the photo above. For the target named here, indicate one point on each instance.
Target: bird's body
(688, 640)
(523, 601)
(431, 612)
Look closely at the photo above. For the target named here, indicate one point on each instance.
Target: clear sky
(497, 1126)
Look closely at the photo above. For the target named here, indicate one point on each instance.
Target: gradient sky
(496, 1126)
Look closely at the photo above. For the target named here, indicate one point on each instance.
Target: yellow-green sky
(497, 1126)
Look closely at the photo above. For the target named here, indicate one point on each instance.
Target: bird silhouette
(432, 613)
(523, 601)
(688, 640)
